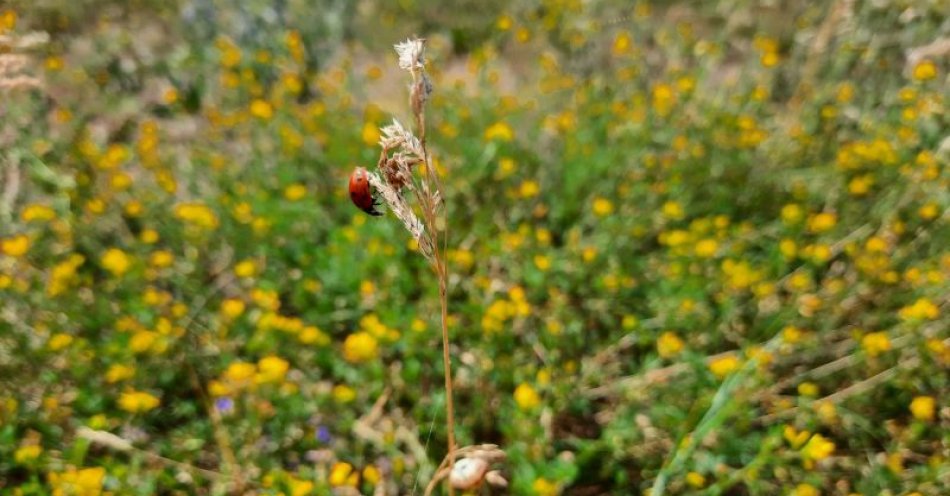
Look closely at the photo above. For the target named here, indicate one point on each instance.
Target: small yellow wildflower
(875, 343)
(529, 189)
(526, 397)
(808, 389)
(695, 480)
(371, 474)
(922, 309)
(792, 213)
(360, 347)
(622, 44)
(816, 449)
(603, 207)
(673, 210)
(343, 394)
(295, 192)
(669, 345)
(925, 70)
(929, 211)
(245, 268)
(232, 308)
(706, 248)
(37, 213)
(542, 262)
(59, 341)
(822, 222)
(137, 401)
(805, 490)
(239, 372)
(370, 134)
(923, 408)
(82, 482)
(271, 369)
(544, 487)
(161, 259)
(723, 366)
(15, 246)
(118, 373)
(499, 131)
(262, 109)
(27, 454)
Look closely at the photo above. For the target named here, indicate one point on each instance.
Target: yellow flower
(232, 308)
(822, 222)
(723, 366)
(544, 487)
(239, 372)
(371, 474)
(792, 213)
(808, 389)
(603, 207)
(26, 454)
(245, 268)
(499, 131)
(673, 210)
(923, 408)
(295, 192)
(15, 246)
(622, 44)
(142, 341)
(313, 335)
(161, 259)
(149, 236)
(35, 212)
(7, 21)
(360, 347)
(271, 369)
(300, 487)
(343, 394)
(794, 437)
(370, 134)
(59, 341)
(342, 474)
(925, 70)
(119, 372)
(262, 109)
(921, 309)
(669, 345)
(706, 248)
(137, 401)
(116, 261)
(805, 490)
(817, 448)
(196, 214)
(529, 189)
(504, 23)
(82, 482)
(875, 343)
(695, 480)
(526, 397)
(929, 211)
(542, 262)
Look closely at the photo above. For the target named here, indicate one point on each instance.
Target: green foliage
(700, 248)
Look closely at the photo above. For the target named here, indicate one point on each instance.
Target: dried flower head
(411, 54)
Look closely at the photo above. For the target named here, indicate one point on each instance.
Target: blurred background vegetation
(700, 243)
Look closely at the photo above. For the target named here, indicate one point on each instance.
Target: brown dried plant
(15, 63)
(409, 183)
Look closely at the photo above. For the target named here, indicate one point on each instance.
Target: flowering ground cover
(691, 247)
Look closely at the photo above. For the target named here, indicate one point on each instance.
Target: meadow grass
(684, 248)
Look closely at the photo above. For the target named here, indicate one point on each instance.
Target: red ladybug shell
(361, 193)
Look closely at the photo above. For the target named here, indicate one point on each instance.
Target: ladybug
(361, 193)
